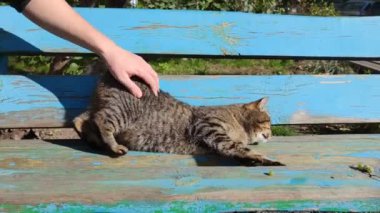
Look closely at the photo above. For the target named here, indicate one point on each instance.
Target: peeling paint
(129, 206)
(366, 154)
(40, 101)
(224, 51)
(20, 163)
(161, 26)
(197, 28)
(167, 178)
(335, 82)
(224, 31)
(33, 29)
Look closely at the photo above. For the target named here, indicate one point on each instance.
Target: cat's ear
(261, 103)
(257, 105)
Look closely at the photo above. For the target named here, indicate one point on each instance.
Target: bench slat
(200, 33)
(52, 101)
(33, 175)
(373, 65)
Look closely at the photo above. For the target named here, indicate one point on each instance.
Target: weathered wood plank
(52, 101)
(67, 176)
(373, 65)
(200, 33)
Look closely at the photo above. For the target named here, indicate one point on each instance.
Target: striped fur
(118, 121)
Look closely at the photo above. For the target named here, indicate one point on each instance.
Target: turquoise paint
(69, 95)
(97, 163)
(42, 92)
(201, 206)
(4, 172)
(367, 154)
(206, 33)
(10, 172)
(6, 186)
(193, 184)
(298, 181)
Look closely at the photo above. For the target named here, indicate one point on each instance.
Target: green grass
(283, 131)
(179, 66)
(191, 66)
(42, 64)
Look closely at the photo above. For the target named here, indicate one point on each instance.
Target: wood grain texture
(372, 65)
(66, 176)
(52, 101)
(200, 33)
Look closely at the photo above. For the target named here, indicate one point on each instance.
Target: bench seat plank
(201, 33)
(34, 176)
(52, 101)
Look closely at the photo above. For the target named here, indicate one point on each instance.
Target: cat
(119, 122)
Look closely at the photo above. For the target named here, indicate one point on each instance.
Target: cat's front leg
(237, 150)
(252, 158)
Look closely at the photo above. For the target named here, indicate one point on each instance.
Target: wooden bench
(67, 176)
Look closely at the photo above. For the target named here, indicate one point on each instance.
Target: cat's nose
(266, 135)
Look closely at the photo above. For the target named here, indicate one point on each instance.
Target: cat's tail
(88, 130)
(80, 121)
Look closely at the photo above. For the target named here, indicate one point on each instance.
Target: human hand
(123, 65)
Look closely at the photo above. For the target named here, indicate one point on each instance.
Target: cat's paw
(268, 162)
(119, 150)
(260, 162)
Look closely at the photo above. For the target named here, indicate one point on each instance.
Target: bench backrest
(52, 101)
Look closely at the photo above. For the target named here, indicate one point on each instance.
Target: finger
(149, 80)
(132, 87)
(155, 77)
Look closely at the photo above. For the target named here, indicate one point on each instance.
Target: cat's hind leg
(107, 129)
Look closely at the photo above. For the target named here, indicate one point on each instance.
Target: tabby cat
(120, 122)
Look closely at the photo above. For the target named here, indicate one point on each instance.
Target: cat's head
(257, 121)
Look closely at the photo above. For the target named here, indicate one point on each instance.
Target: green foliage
(283, 131)
(42, 64)
(310, 7)
(259, 6)
(78, 64)
(317, 7)
(323, 8)
(30, 64)
(193, 66)
(326, 67)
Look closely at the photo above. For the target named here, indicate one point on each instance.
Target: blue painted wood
(201, 33)
(52, 101)
(199, 206)
(3, 64)
(68, 176)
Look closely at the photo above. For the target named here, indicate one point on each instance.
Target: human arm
(49, 14)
